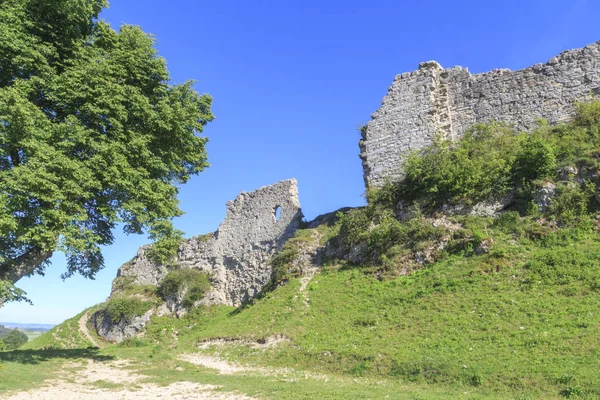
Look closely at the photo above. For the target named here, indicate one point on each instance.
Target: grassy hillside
(423, 304)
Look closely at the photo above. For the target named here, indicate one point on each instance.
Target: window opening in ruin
(277, 213)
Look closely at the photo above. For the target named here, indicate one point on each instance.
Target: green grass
(63, 336)
(27, 369)
(32, 335)
(521, 319)
(518, 322)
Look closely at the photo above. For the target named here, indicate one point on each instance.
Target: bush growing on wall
(475, 168)
(192, 283)
(535, 160)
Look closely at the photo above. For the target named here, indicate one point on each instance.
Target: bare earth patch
(262, 344)
(224, 367)
(112, 380)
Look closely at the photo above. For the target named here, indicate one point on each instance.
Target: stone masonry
(236, 257)
(435, 101)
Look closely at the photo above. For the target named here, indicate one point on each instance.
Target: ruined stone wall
(236, 256)
(433, 100)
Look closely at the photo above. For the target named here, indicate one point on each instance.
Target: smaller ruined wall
(432, 100)
(236, 256)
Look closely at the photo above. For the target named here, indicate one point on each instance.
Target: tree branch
(23, 265)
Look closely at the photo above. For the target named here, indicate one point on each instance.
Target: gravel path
(90, 381)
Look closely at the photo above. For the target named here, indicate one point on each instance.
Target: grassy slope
(489, 326)
(518, 322)
(491, 323)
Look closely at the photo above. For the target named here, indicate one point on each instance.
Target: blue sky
(291, 81)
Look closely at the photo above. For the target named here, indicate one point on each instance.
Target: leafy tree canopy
(92, 134)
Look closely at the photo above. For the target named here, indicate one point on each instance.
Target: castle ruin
(435, 101)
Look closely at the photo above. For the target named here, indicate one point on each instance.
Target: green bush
(281, 262)
(14, 339)
(572, 204)
(192, 282)
(477, 167)
(587, 113)
(122, 308)
(388, 233)
(535, 160)
(383, 201)
(354, 226)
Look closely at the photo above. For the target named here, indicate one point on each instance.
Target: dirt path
(309, 264)
(85, 331)
(88, 380)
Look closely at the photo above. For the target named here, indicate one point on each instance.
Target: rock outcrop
(435, 101)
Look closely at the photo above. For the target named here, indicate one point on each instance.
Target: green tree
(92, 134)
(14, 339)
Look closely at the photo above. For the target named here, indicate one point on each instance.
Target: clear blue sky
(291, 81)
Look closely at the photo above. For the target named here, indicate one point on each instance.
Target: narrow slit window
(277, 213)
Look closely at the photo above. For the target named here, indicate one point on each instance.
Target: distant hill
(29, 327)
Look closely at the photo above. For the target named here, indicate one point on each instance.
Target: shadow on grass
(38, 356)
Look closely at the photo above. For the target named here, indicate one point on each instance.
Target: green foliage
(281, 263)
(587, 113)
(4, 331)
(536, 159)
(191, 283)
(14, 339)
(9, 292)
(572, 204)
(478, 167)
(92, 135)
(388, 233)
(122, 308)
(354, 226)
(121, 282)
(508, 222)
(492, 160)
(383, 200)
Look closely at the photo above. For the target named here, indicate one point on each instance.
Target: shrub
(476, 168)
(14, 339)
(133, 342)
(281, 262)
(535, 160)
(385, 235)
(572, 204)
(383, 201)
(354, 226)
(121, 308)
(192, 283)
(587, 113)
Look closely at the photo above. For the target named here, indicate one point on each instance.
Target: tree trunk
(23, 265)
